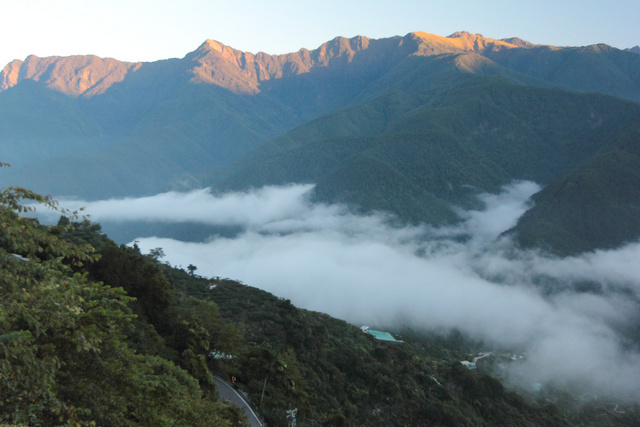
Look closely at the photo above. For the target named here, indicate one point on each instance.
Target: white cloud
(259, 207)
(363, 270)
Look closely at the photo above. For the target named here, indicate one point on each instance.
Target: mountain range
(415, 125)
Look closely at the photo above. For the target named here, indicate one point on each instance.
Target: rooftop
(379, 335)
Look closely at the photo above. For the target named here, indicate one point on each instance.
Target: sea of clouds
(363, 269)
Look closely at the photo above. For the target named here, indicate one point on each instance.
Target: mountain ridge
(243, 72)
(89, 75)
(86, 75)
(462, 41)
(99, 128)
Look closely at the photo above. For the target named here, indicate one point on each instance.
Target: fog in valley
(572, 317)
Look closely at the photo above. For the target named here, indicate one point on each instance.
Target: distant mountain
(597, 68)
(518, 42)
(38, 124)
(407, 124)
(595, 205)
(210, 99)
(419, 158)
(635, 49)
(241, 72)
(74, 75)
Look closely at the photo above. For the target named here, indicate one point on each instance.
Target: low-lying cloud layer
(467, 277)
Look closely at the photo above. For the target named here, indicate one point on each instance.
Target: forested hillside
(95, 128)
(415, 125)
(594, 206)
(96, 333)
(72, 351)
(420, 155)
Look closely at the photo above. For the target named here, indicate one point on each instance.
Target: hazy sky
(147, 30)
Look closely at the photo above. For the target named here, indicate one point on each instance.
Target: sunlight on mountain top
(462, 40)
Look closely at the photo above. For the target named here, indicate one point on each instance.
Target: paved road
(226, 392)
(482, 356)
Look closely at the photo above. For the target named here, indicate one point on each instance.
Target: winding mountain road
(226, 392)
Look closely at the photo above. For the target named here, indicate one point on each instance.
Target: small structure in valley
(20, 258)
(379, 335)
(469, 365)
(218, 355)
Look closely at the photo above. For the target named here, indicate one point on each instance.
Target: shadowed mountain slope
(596, 205)
(411, 124)
(415, 157)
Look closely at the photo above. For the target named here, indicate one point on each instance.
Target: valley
(477, 198)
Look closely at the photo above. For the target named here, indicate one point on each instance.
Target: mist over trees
(477, 198)
(71, 348)
(103, 333)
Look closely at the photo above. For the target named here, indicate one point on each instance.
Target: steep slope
(461, 41)
(134, 166)
(76, 348)
(225, 102)
(38, 123)
(247, 73)
(243, 72)
(597, 68)
(73, 75)
(207, 97)
(333, 372)
(594, 206)
(415, 158)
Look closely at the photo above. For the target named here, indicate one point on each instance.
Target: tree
(156, 253)
(64, 353)
(198, 331)
(142, 279)
(192, 268)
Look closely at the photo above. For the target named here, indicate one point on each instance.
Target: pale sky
(148, 30)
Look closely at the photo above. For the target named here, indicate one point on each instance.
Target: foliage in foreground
(65, 356)
(114, 337)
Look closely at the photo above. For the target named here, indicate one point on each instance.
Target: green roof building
(379, 335)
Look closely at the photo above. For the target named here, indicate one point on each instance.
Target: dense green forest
(78, 351)
(594, 206)
(94, 333)
(422, 154)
